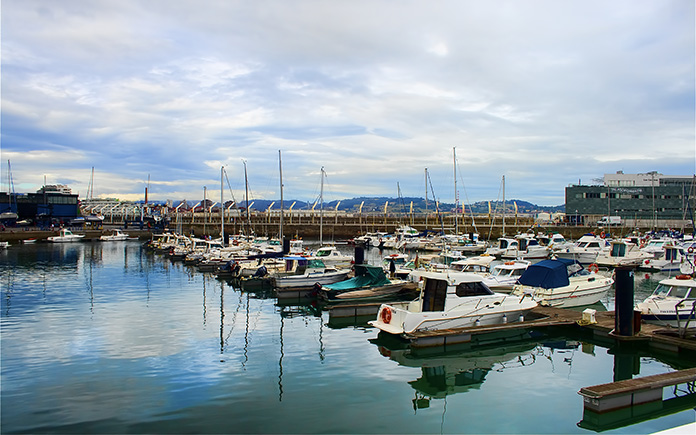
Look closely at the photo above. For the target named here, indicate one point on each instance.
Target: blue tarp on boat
(365, 276)
(549, 273)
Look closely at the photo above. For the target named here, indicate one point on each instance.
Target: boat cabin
(436, 288)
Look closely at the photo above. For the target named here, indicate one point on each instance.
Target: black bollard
(359, 255)
(623, 323)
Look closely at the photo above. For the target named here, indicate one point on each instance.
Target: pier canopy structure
(113, 210)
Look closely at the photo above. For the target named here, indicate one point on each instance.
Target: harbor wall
(329, 229)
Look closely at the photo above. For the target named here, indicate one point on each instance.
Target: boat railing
(691, 316)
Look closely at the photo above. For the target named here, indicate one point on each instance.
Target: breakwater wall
(329, 228)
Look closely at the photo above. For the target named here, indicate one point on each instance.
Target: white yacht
(331, 256)
(504, 276)
(672, 303)
(451, 300)
(585, 249)
(622, 253)
(562, 283)
(116, 235)
(66, 236)
(308, 271)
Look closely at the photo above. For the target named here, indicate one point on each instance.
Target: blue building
(50, 204)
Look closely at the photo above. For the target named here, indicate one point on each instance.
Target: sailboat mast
(426, 198)
(205, 210)
(456, 196)
(246, 187)
(280, 166)
(321, 210)
(222, 208)
(503, 233)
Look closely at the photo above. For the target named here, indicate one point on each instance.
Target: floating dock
(654, 336)
(631, 392)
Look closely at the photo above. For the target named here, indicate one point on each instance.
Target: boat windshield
(618, 250)
(467, 289)
(676, 291)
(498, 271)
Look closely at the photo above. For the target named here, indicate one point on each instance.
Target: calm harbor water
(107, 338)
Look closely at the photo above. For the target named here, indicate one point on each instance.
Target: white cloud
(371, 90)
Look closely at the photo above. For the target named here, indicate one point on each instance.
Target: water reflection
(459, 368)
(463, 368)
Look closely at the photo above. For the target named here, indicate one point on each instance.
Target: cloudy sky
(546, 93)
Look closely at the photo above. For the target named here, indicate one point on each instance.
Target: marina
(108, 337)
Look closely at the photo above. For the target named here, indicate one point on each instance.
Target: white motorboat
(504, 276)
(66, 236)
(672, 303)
(562, 283)
(584, 250)
(622, 253)
(669, 260)
(4, 244)
(308, 271)
(505, 246)
(331, 256)
(527, 247)
(655, 246)
(480, 264)
(116, 235)
(451, 300)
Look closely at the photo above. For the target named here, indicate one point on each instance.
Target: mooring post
(623, 323)
(359, 255)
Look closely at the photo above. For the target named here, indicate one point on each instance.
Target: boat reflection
(463, 367)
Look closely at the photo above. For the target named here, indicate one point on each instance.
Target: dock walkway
(630, 392)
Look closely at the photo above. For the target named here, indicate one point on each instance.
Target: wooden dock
(631, 392)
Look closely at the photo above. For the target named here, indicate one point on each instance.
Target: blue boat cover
(365, 276)
(549, 273)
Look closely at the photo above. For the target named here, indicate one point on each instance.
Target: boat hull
(307, 281)
(492, 310)
(568, 296)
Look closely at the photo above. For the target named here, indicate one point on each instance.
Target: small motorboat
(451, 300)
(563, 283)
(585, 249)
(370, 283)
(66, 236)
(672, 303)
(116, 235)
(306, 272)
(504, 276)
(622, 253)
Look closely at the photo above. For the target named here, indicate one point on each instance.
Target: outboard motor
(261, 272)
(315, 290)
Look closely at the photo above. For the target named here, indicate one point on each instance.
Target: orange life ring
(683, 277)
(593, 268)
(509, 263)
(690, 250)
(386, 314)
(602, 234)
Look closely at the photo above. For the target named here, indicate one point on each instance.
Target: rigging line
(437, 205)
(497, 204)
(229, 186)
(466, 195)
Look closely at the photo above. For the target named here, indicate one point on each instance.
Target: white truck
(609, 221)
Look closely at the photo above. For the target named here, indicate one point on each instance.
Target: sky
(162, 94)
